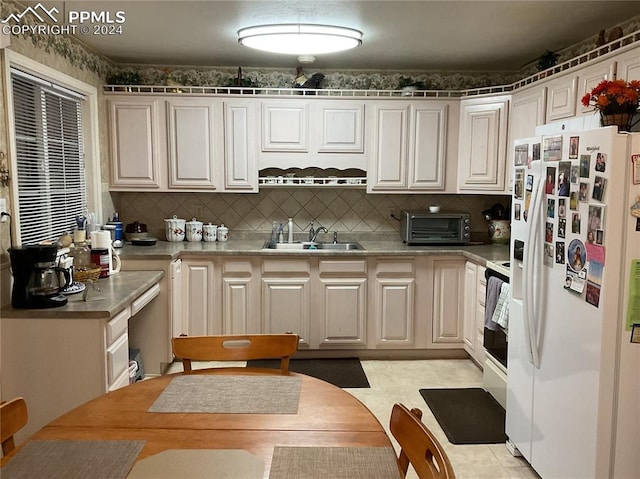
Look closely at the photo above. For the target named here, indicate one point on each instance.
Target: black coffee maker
(36, 279)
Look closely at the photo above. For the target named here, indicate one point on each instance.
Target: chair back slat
(13, 417)
(418, 445)
(242, 347)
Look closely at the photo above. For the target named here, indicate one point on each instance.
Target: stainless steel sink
(346, 246)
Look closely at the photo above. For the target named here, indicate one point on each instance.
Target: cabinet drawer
(118, 325)
(117, 358)
(237, 266)
(284, 265)
(145, 298)
(395, 266)
(343, 266)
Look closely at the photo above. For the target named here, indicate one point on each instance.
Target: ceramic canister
(223, 233)
(175, 228)
(209, 232)
(194, 230)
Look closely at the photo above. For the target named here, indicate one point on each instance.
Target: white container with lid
(209, 232)
(194, 230)
(223, 233)
(174, 228)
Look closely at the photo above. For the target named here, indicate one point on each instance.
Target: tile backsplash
(350, 211)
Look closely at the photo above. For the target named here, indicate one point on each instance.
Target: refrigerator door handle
(529, 287)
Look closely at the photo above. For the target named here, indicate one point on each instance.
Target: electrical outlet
(3, 209)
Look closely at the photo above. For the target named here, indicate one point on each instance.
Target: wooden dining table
(326, 417)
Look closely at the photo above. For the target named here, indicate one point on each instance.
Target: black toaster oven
(443, 227)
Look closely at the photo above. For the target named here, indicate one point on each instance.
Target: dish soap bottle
(290, 230)
(281, 234)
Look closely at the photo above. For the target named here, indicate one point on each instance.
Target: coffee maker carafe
(36, 279)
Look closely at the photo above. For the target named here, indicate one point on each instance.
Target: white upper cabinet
(342, 126)
(589, 77)
(191, 130)
(408, 146)
(136, 129)
(562, 97)
(240, 146)
(628, 65)
(528, 109)
(312, 133)
(285, 126)
(483, 142)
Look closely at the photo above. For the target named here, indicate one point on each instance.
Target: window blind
(50, 158)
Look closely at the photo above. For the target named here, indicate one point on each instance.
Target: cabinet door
(470, 307)
(343, 312)
(191, 132)
(562, 98)
(448, 307)
(342, 126)
(285, 126)
(482, 149)
(388, 167)
(286, 307)
(240, 297)
(427, 152)
(481, 293)
(528, 109)
(394, 312)
(240, 146)
(628, 65)
(198, 297)
(136, 151)
(589, 78)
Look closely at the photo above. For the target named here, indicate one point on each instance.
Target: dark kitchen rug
(467, 415)
(342, 372)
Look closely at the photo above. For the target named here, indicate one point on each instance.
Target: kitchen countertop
(116, 293)
(172, 250)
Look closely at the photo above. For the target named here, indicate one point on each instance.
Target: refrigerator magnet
(635, 169)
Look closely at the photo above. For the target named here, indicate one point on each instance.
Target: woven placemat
(334, 463)
(73, 459)
(199, 393)
(199, 464)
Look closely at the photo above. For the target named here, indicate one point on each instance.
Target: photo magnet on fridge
(585, 161)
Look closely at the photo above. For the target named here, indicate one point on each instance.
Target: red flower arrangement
(617, 96)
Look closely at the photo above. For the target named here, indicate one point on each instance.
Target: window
(49, 146)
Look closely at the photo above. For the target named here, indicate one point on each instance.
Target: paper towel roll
(101, 239)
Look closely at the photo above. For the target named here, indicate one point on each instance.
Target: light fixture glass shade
(299, 39)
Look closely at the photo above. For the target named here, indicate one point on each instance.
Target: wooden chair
(418, 445)
(13, 417)
(241, 347)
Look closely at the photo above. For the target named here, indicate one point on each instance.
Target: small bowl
(434, 209)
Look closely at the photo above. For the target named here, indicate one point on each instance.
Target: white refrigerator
(573, 383)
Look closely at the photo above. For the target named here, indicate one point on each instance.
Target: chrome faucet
(313, 233)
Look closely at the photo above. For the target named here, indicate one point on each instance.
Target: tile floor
(399, 381)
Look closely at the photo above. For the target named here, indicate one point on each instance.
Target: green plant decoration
(547, 60)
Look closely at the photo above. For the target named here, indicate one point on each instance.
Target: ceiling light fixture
(300, 39)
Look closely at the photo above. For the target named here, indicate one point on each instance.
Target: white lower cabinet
(447, 306)
(286, 303)
(475, 285)
(240, 298)
(341, 296)
(367, 302)
(393, 302)
(198, 295)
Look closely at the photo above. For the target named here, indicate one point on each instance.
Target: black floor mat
(342, 372)
(467, 415)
